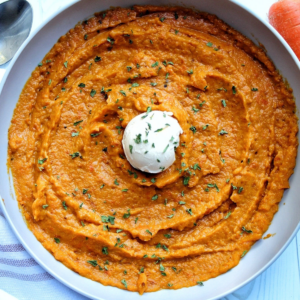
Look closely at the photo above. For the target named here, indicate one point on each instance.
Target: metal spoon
(15, 24)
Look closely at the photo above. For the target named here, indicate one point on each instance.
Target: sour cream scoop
(150, 139)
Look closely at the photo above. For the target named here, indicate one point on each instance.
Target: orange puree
(194, 221)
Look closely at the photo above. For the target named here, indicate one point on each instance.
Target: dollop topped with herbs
(150, 141)
(120, 226)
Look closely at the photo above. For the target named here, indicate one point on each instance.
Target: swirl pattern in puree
(194, 221)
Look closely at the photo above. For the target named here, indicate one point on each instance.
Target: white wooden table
(281, 281)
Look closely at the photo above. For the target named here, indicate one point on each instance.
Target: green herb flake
(127, 215)
(189, 211)
(234, 91)
(244, 253)
(246, 230)
(57, 240)
(222, 132)
(123, 281)
(97, 58)
(193, 129)
(154, 197)
(105, 250)
(227, 216)
(41, 161)
(66, 64)
(148, 231)
(93, 93)
(209, 44)
(123, 93)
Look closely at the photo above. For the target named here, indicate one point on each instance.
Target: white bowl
(285, 223)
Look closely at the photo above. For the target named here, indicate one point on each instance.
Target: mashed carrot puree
(194, 221)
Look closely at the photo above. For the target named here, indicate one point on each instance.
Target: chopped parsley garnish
(223, 102)
(93, 263)
(108, 219)
(195, 110)
(222, 132)
(95, 134)
(148, 231)
(81, 85)
(135, 84)
(240, 189)
(186, 180)
(254, 89)
(116, 182)
(127, 215)
(75, 154)
(193, 129)
(154, 64)
(130, 148)
(41, 161)
(162, 19)
(64, 205)
(227, 216)
(209, 44)
(246, 230)
(105, 250)
(93, 93)
(205, 126)
(213, 185)
(190, 72)
(189, 210)
(166, 148)
(168, 235)
(153, 83)
(244, 253)
(200, 283)
(138, 138)
(45, 206)
(74, 134)
(66, 64)
(234, 90)
(110, 40)
(123, 93)
(57, 240)
(123, 281)
(196, 167)
(181, 202)
(84, 191)
(97, 58)
(158, 130)
(201, 104)
(154, 197)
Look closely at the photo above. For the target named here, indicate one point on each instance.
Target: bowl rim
(2, 202)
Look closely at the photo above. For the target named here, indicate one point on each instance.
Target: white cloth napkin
(22, 277)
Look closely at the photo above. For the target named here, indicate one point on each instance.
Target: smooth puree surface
(197, 219)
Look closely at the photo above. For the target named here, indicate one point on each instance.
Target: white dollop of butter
(150, 139)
